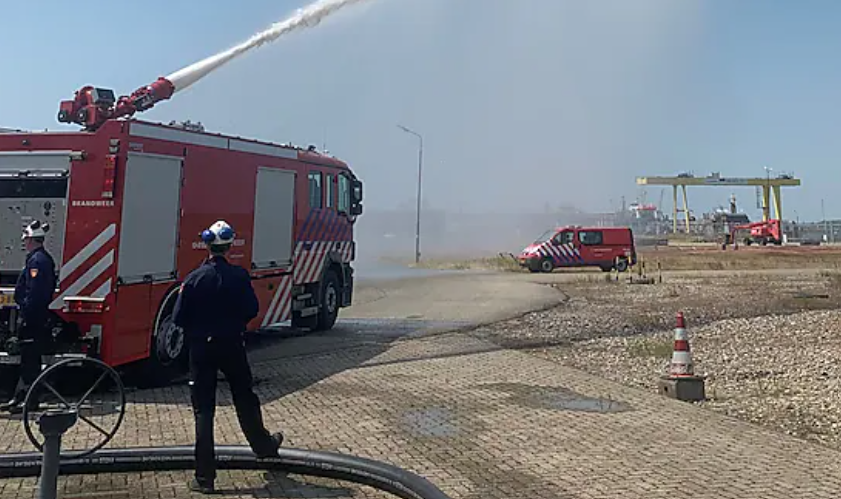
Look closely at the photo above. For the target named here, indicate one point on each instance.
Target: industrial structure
(683, 180)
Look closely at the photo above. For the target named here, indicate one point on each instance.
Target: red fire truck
(126, 203)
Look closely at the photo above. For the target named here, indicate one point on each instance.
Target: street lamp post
(420, 178)
(825, 228)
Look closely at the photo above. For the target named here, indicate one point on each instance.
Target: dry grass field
(675, 259)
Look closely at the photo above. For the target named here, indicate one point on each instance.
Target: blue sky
(521, 102)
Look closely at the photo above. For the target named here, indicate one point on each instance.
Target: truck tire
(546, 266)
(621, 265)
(328, 310)
(168, 351)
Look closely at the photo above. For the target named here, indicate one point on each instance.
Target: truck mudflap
(347, 291)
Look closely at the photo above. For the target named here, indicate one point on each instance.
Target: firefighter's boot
(202, 487)
(34, 404)
(9, 405)
(277, 440)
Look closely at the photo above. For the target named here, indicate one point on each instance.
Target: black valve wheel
(82, 409)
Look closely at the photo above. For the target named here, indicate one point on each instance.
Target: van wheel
(547, 266)
(328, 311)
(621, 265)
(168, 353)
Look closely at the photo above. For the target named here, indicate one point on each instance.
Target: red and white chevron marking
(280, 308)
(76, 283)
(308, 267)
(564, 251)
(310, 263)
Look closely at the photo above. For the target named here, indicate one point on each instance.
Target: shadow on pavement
(349, 344)
(279, 485)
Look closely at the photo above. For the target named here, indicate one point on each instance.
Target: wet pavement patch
(430, 422)
(550, 397)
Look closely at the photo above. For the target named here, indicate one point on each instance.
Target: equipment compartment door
(33, 185)
(274, 210)
(149, 226)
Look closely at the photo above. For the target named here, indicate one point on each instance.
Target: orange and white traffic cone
(681, 382)
(682, 364)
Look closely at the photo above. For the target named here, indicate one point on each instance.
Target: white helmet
(35, 229)
(218, 234)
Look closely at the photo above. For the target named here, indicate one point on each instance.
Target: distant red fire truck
(575, 246)
(126, 203)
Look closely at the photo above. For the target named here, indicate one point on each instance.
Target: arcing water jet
(307, 17)
(93, 106)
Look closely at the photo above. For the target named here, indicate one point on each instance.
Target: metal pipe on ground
(383, 476)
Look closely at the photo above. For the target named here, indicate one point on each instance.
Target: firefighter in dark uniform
(213, 308)
(33, 294)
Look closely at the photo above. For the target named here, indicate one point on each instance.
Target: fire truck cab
(126, 204)
(575, 246)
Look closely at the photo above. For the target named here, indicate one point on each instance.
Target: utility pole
(420, 179)
(823, 217)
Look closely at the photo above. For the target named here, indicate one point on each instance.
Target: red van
(605, 247)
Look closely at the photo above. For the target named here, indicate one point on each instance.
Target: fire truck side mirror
(356, 198)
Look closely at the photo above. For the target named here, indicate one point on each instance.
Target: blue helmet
(218, 234)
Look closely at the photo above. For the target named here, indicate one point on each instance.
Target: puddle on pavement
(430, 422)
(547, 397)
(584, 404)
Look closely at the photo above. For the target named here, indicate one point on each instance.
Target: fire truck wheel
(168, 353)
(169, 342)
(328, 312)
(547, 266)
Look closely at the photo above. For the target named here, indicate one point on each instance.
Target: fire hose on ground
(54, 423)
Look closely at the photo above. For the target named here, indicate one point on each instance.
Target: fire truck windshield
(545, 236)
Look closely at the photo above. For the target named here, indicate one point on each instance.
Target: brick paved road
(478, 421)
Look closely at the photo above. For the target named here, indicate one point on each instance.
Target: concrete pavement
(477, 420)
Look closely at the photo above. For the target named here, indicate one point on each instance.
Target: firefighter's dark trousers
(33, 341)
(206, 359)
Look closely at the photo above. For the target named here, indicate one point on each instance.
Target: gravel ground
(767, 344)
